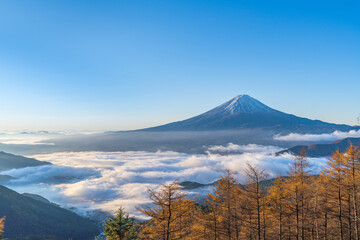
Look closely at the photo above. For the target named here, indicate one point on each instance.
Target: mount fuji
(241, 120)
(245, 112)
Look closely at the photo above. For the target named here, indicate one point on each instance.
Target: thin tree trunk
(289, 229)
(340, 212)
(316, 216)
(264, 225)
(258, 211)
(215, 225)
(349, 217)
(302, 210)
(169, 220)
(302, 217)
(280, 223)
(325, 226)
(229, 219)
(354, 199)
(297, 213)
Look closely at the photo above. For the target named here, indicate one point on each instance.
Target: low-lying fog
(29, 143)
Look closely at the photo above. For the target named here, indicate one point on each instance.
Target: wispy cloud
(107, 180)
(318, 137)
(30, 139)
(37, 137)
(243, 148)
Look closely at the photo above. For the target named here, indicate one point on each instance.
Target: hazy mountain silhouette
(323, 150)
(9, 161)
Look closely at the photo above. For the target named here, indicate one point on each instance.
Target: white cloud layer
(37, 137)
(31, 139)
(107, 180)
(318, 137)
(244, 148)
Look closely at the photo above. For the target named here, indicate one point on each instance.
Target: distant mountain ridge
(9, 161)
(323, 150)
(245, 112)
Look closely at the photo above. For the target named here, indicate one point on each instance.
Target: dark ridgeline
(323, 150)
(9, 161)
(33, 217)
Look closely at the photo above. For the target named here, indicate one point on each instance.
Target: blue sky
(132, 64)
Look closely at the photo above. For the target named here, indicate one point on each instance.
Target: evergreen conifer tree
(119, 227)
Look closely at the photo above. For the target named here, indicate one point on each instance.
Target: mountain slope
(8, 161)
(27, 217)
(245, 112)
(323, 150)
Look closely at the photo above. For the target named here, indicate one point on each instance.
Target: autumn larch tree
(351, 157)
(335, 171)
(171, 216)
(298, 184)
(223, 217)
(256, 198)
(278, 197)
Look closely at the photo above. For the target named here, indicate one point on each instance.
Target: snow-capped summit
(244, 104)
(245, 112)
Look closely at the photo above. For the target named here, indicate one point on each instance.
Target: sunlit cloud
(318, 137)
(230, 147)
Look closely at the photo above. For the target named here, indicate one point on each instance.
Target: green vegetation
(119, 227)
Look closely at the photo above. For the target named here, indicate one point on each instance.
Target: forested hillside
(30, 218)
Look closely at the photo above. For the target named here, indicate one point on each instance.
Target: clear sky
(132, 64)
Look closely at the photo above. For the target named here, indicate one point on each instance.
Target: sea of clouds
(104, 181)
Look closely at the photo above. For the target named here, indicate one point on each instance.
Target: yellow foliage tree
(255, 201)
(171, 215)
(2, 226)
(220, 218)
(335, 172)
(298, 186)
(278, 197)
